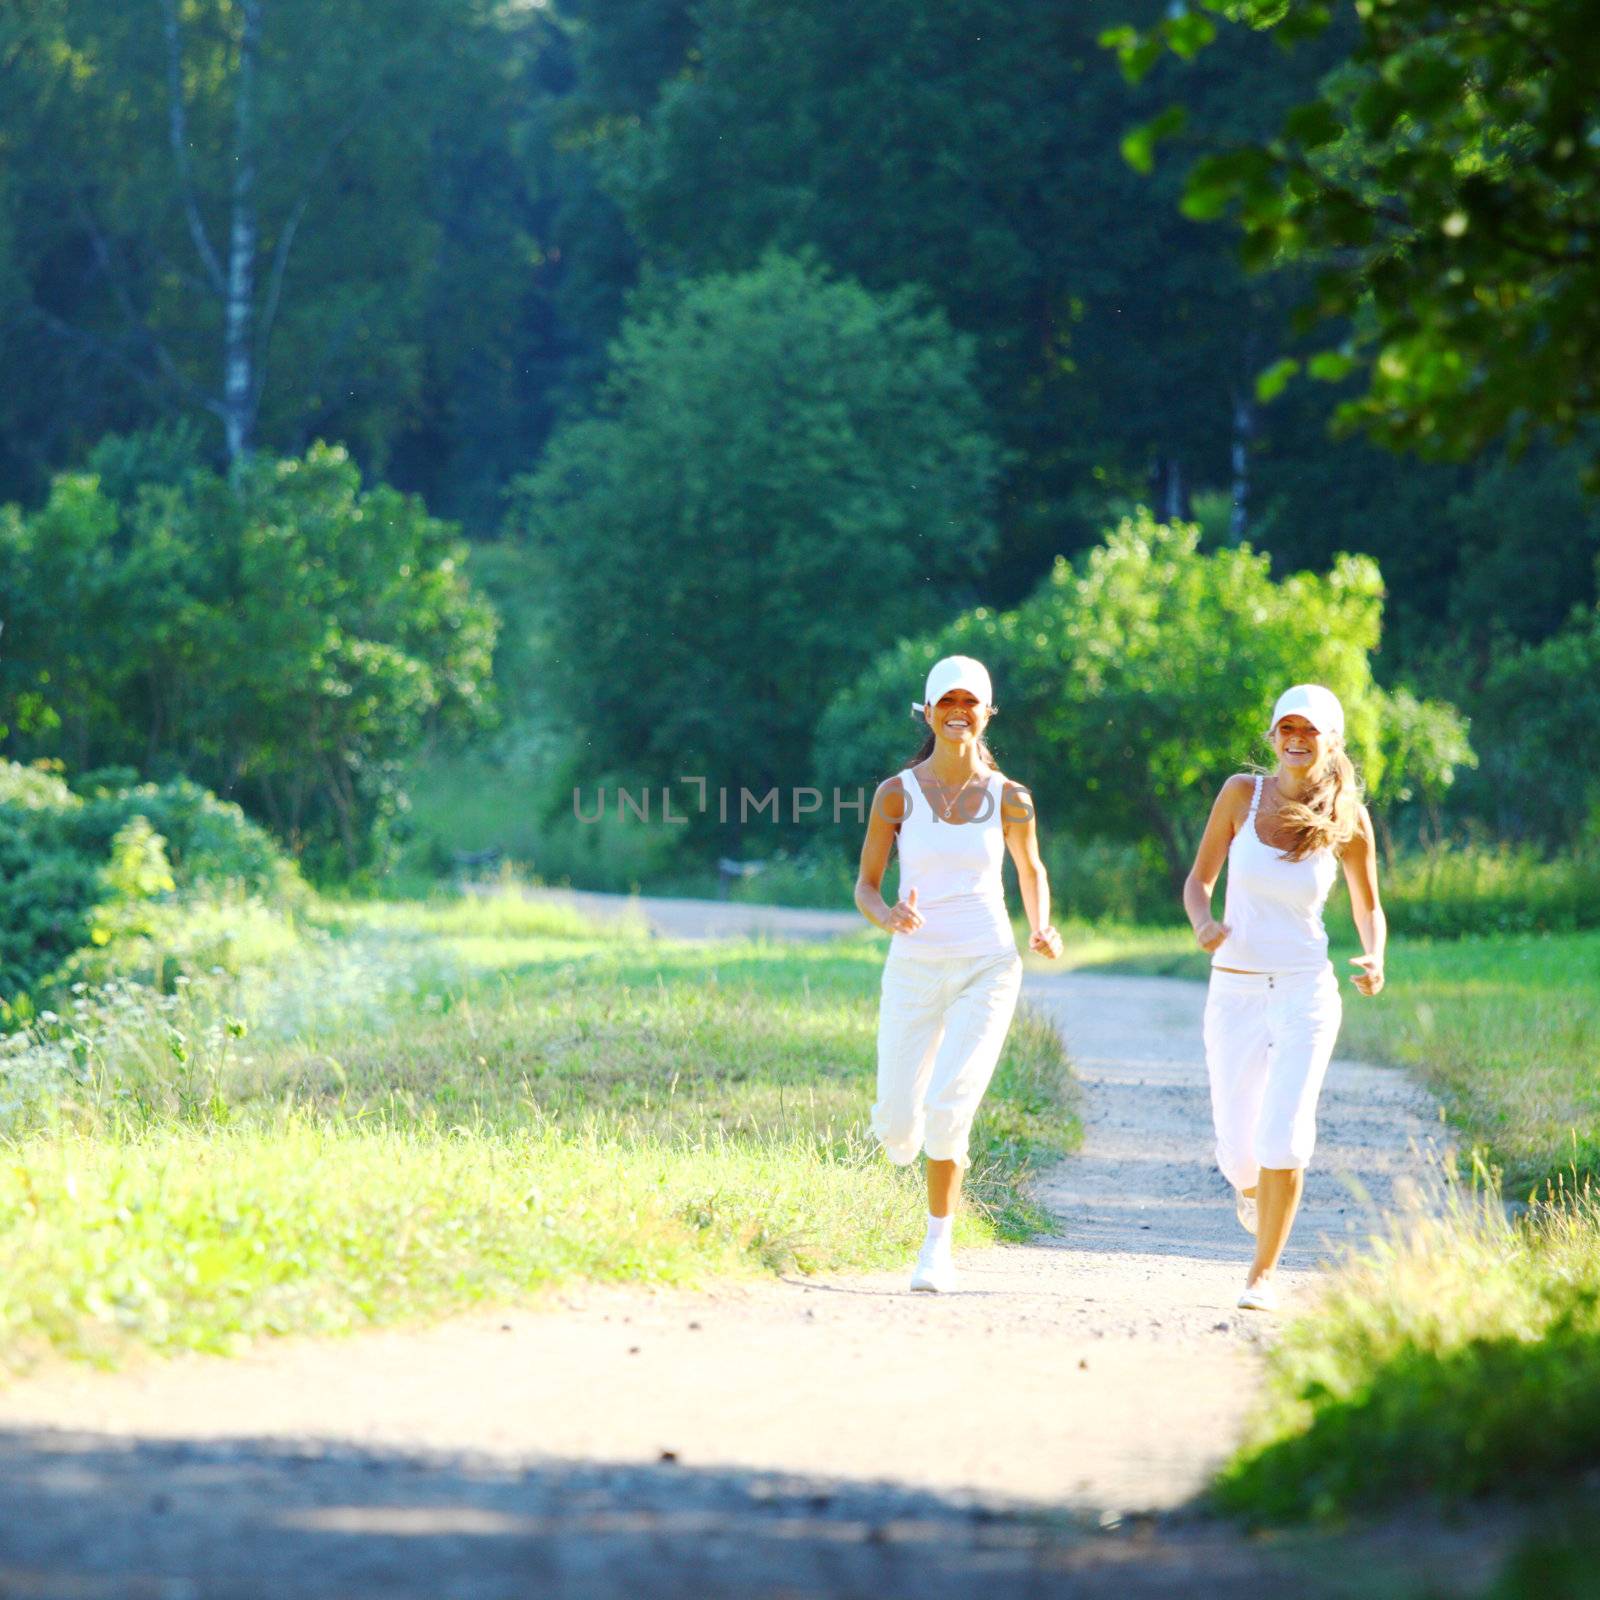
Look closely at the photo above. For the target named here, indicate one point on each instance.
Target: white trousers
(942, 1021)
(1269, 1037)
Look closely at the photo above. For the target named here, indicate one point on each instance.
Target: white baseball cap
(1320, 707)
(955, 672)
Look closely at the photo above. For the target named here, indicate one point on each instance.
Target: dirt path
(797, 1437)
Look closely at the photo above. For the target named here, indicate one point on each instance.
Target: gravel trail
(1036, 1434)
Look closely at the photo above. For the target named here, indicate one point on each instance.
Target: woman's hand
(1046, 941)
(1370, 979)
(1211, 933)
(903, 915)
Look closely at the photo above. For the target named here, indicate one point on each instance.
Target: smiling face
(1299, 747)
(959, 716)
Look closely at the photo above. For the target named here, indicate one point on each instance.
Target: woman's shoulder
(890, 800)
(1016, 798)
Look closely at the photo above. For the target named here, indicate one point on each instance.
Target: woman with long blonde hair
(1273, 1007)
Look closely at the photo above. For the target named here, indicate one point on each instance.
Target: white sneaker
(935, 1272)
(1244, 1208)
(1259, 1297)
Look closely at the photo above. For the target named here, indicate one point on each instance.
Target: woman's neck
(955, 764)
(1292, 785)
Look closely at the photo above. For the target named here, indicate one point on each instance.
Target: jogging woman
(953, 973)
(1273, 1007)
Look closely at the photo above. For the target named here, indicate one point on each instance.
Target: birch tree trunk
(1244, 427)
(238, 374)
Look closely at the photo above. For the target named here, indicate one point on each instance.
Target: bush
(1133, 682)
(785, 473)
(79, 872)
(1537, 717)
(284, 635)
(212, 845)
(1456, 892)
(1459, 1358)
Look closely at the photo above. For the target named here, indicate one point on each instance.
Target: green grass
(416, 1108)
(1462, 1356)
(1506, 1031)
(1458, 1358)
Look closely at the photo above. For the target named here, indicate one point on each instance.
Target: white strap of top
(1255, 800)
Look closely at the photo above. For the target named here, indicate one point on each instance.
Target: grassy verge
(1462, 1356)
(421, 1107)
(1459, 1358)
(1506, 1031)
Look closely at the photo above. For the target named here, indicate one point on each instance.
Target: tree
(1442, 185)
(783, 472)
(1133, 681)
(969, 148)
(236, 208)
(284, 636)
(1538, 713)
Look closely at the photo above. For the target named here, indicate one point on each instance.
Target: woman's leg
(910, 1026)
(1277, 1199)
(1238, 1053)
(944, 1187)
(1305, 1014)
(976, 1022)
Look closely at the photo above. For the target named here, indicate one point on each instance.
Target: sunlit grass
(1506, 1030)
(1460, 1356)
(410, 1108)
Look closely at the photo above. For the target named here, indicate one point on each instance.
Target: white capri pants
(942, 1021)
(1269, 1037)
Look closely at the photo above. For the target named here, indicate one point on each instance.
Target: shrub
(81, 872)
(785, 472)
(284, 635)
(1131, 683)
(1456, 892)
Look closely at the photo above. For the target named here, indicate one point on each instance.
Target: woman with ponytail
(952, 976)
(1273, 1006)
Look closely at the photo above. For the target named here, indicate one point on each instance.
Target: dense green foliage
(1541, 706)
(79, 869)
(367, 176)
(1443, 187)
(971, 149)
(1133, 682)
(782, 472)
(431, 229)
(284, 636)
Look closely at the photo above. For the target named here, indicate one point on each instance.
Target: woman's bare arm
(1022, 840)
(889, 810)
(1228, 811)
(1361, 874)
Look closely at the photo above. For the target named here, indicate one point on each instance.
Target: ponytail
(1325, 816)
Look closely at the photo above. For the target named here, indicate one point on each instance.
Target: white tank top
(955, 869)
(1274, 906)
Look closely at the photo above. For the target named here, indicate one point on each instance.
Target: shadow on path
(87, 1516)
